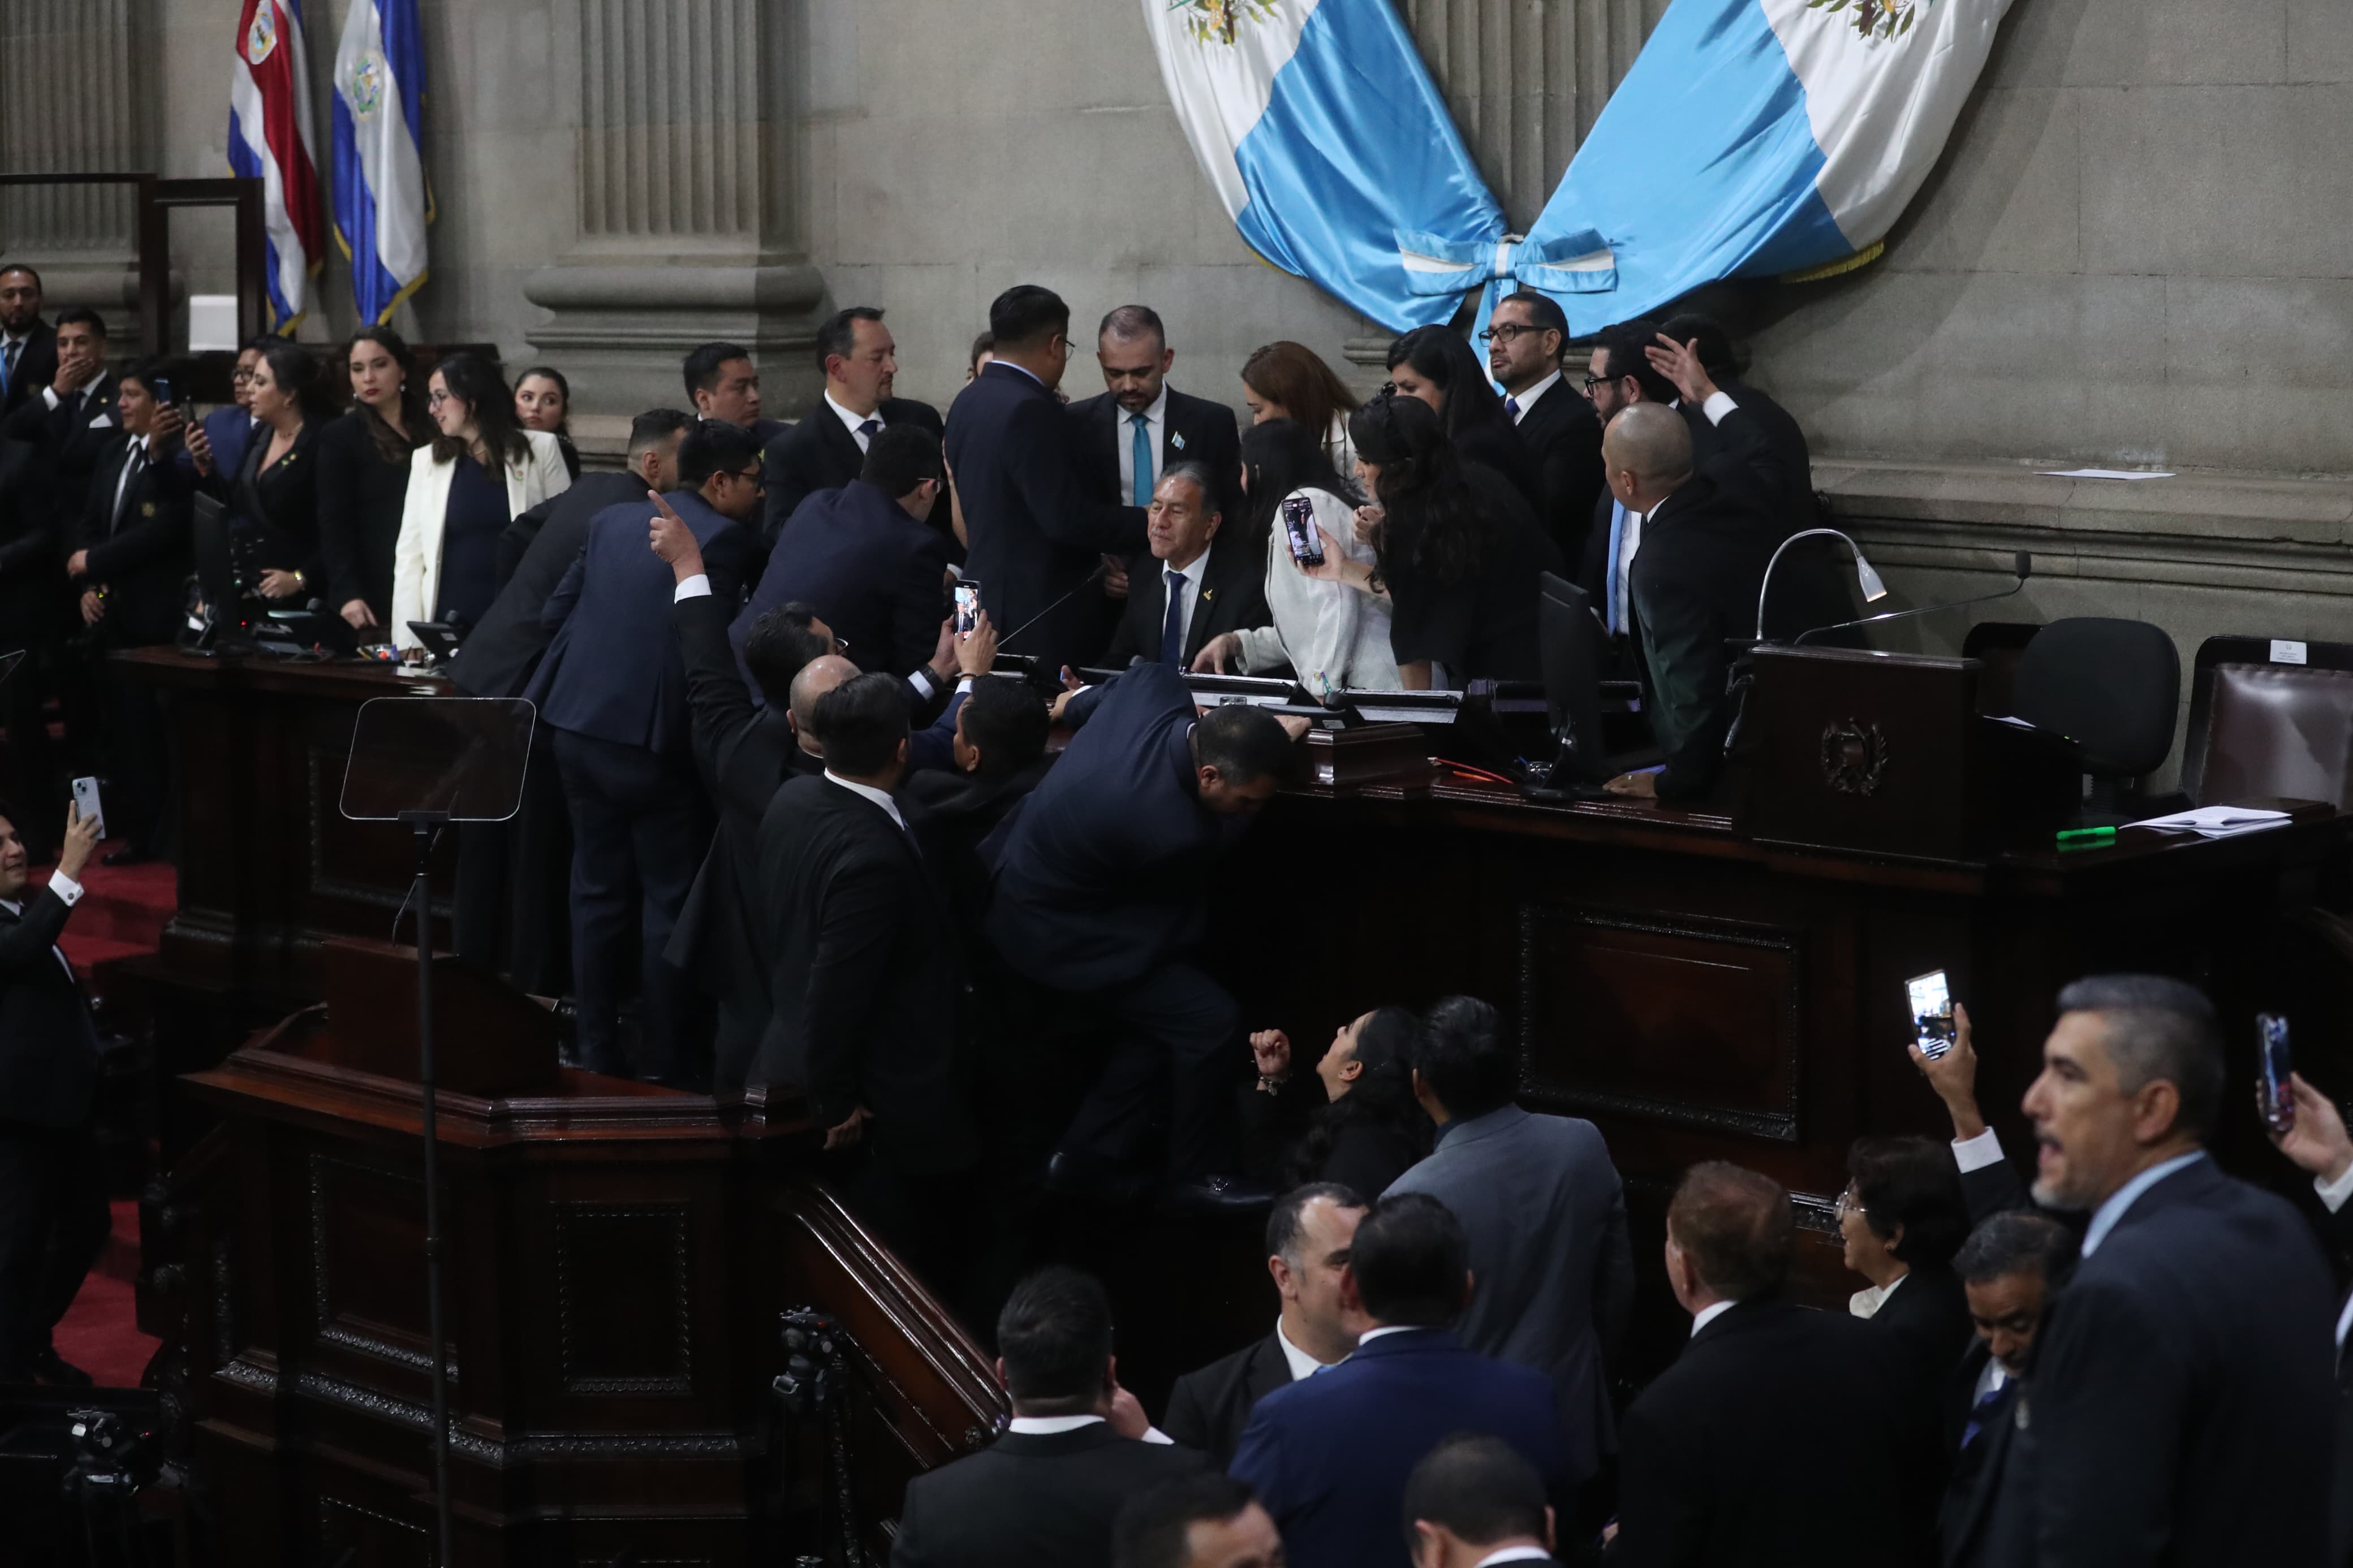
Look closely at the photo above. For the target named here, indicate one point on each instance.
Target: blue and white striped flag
(382, 201)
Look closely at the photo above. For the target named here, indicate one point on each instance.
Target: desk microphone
(1003, 643)
(2021, 565)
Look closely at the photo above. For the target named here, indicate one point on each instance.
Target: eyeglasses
(1592, 381)
(751, 474)
(1508, 331)
(436, 399)
(1845, 1205)
(240, 377)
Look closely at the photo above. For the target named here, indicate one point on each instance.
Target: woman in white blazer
(481, 472)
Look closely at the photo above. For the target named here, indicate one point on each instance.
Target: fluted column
(689, 226)
(71, 102)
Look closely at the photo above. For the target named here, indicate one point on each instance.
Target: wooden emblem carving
(1854, 756)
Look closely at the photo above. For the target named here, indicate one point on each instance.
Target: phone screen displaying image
(967, 605)
(1299, 530)
(1932, 1013)
(2278, 1063)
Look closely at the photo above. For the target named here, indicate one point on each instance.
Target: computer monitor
(1568, 644)
(216, 566)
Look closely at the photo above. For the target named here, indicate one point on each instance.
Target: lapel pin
(1176, 439)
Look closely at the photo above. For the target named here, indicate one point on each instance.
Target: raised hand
(1679, 362)
(1271, 1048)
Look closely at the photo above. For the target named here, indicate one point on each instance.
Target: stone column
(688, 222)
(72, 101)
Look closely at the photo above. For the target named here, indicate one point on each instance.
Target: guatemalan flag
(382, 203)
(269, 139)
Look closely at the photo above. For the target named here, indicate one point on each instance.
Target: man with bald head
(1693, 584)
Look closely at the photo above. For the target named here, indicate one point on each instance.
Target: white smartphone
(85, 793)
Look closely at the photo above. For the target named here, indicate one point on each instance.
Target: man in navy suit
(1103, 880)
(217, 444)
(1037, 529)
(723, 383)
(1138, 426)
(612, 690)
(863, 557)
(1330, 1454)
(2182, 1395)
(860, 361)
(28, 347)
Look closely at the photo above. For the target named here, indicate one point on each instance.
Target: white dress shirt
(1302, 1364)
(1188, 589)
(1155, 420)
(1991, 1377)
(1523, 401)
(1867, 1302)
(852, 421)
(1707, 1315)
(70, 892)
(1329, 633)
(1047, 1426)
(1514, 1554)
(1629, 543)
(880, 797)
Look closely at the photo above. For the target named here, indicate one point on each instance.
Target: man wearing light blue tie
(1140, 426)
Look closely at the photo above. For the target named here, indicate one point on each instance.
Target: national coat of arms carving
(1854, 756)
(1876, 19)
(1218, 21)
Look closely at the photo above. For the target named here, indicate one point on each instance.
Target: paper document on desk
(2217, 821)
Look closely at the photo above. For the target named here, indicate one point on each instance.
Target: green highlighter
(2085, 837)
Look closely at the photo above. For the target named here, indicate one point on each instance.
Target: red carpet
(121, 914)
(101, 1335)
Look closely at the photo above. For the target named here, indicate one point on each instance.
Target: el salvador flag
(382, 202)
(1321, 132)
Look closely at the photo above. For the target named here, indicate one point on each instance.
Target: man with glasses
(217, 444)
(1557, 427)
(1037, 534)
(612, 692)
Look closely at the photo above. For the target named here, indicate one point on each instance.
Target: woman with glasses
(544, 402)
(482, 470)
(272, 495)
(1457, 553)
(364, 461)
(1436, 365)
(1332, 636)
(1903, 1216)
(1286, 381)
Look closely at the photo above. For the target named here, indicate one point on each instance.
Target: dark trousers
(639, 828)
(514, 884)
(138, 758)
(53, 1223)
(1176, 1032)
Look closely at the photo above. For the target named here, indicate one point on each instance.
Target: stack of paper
(2217, 821)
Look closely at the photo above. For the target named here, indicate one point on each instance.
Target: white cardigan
(417, 559)
(1330, 634)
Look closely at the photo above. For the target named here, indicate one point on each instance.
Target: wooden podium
(618, 1256)
(1887, 754)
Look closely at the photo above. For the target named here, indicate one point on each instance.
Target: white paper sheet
(2101, 474)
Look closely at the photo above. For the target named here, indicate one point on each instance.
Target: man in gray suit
(1545, 1213)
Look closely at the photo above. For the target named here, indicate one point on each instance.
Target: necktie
(867, 432)
(1610, 586)
(1980, 1412)
(1142, 445)
(1512, 408)
(133, 465)
(1172, 630)
(8, 357)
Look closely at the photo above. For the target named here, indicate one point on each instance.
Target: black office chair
(2113, 687)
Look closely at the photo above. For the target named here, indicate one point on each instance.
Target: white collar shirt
(1188, 587)
(131, 463)
(1514, 1554)
(1707, 1315)
(851, 422)
(880, 797)
(1524, 401)
(1302, 1364)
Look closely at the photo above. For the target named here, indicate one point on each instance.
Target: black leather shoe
(1215, 1196)
(53, 1369)
(1071, 1173)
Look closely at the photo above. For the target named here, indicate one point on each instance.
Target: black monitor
(1568, 643)
(217, 570)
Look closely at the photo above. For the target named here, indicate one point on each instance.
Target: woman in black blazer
(1903, 1217)
(273, 497)
(1356, 1121)
(1436, 366)
(364, 461)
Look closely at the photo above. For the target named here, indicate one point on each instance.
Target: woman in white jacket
(1331, 639)
(481, 472)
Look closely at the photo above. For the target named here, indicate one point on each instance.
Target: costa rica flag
(269, 137)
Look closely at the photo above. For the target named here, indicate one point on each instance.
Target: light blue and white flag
(382, 201)
(1320, 130)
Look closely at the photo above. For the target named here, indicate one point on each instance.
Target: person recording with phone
(1195, 583)
(2310, 1131)
(1332, 636)
(273, 495)
(131, 566)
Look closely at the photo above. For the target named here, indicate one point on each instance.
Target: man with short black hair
(1308, 1232)
(1558, 427)
(1718, 1452)
(1103, 880)
(1047, 1493)
(1331, 1454)
(1038, 531)
(723, 383)
(28, 350)
(2182, 1394)
(1192, 585)
(71, 420)
(1474, 1503)
(1139, 427)
(2012, 1268)
(1198, 1521)
(1545, 1213)
(860, 361)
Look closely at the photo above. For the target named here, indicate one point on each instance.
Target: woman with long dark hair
(482, 470)
(1436, 365)
(1330, 635)
(1456, 552)
(1362, 1126)
(1290, 380)
(363, 476)
(544, 402)
(273, 497)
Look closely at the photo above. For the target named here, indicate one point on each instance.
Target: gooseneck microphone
(1004, 644)
(2022, 565)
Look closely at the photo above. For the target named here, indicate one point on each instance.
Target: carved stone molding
(74, 99)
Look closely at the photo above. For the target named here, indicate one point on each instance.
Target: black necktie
(134, 463)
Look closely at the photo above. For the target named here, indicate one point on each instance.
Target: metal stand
(423, 826)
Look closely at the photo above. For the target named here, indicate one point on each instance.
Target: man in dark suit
(71, 419)
(1545, 1213)
(1790, 466)
(723, 383)
(1331, 1454)
(1046, 1493)
(1556, 422)
(2182, 1393)
(863, 557)
(28, 345)
(1718, 1451)
(613, 689)
(863, 972)
(1102, 883)
(1307, 1237)
(1472, 1501)
(858, 358)
(33, 606)
(53, 1214)
(1138, 427)
(2011, 1266)
(1192, 585)
(221, 436)
(1207, 1520)
(1038, 526)
(1693, 587)
(131, 560)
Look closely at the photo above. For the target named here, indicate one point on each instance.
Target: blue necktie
(1172, 631)
(1610, 581)
(1512, 408)
(8, 366)
(1143, 460)
(1979, 1412)
(868, 431)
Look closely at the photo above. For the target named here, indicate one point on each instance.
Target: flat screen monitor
(1568, 642)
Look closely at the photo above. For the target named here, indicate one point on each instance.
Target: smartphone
(85, 793)
(2279, 1095)
(967, 605)
(1932, 1013)
(1299, 529)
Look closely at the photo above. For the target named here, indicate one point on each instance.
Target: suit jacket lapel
(836, 438)
(1268, 1370)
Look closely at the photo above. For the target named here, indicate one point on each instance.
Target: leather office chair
(2278, 729)
(2112, 686)
(2218, 651)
